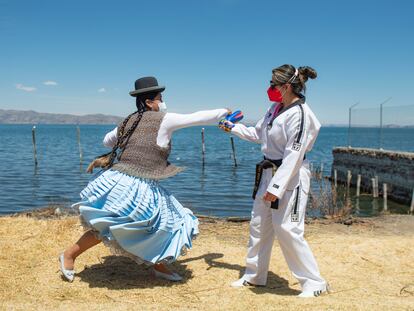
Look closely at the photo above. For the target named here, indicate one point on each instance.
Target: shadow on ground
(117, 272)
(275, 284)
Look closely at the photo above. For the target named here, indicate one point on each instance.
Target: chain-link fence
(386, 127)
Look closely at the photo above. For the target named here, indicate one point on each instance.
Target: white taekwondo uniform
(288, 137)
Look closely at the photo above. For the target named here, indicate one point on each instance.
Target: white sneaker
(242, 283)
(313, 294)
(69, 275)
(175, 277)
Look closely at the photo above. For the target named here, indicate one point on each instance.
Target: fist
(269, 197)
(225, 125)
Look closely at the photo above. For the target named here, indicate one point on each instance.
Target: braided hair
(108, 159)
(123, 138)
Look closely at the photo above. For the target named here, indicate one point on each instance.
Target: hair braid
(107, 160)
(123, 140)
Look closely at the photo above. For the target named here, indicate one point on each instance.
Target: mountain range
(33, 117)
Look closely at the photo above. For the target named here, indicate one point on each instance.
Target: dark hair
(286, 74)
(123, 133)
(140, 100)
(123, 136)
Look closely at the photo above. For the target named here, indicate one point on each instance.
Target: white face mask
(162, 106)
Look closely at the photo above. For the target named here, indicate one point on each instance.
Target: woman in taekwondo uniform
(286, 132)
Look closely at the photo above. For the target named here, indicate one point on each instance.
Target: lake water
(218, 189)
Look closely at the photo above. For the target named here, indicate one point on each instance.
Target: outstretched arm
(249, 133)
(176, 121)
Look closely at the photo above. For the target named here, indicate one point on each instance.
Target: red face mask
(274, 95)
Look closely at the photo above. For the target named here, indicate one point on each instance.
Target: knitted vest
(142, 157)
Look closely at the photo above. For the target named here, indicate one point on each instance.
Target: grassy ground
(370, 266)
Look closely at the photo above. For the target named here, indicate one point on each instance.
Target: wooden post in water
(34, 144)
(376, 185)
(385, 196)
(358, 185)
(348, 179)
(203, 146)
(374, 188)
(412, 204)
(357, 210)
(79, 144)
(336, 178)
(234, 151)
(321, 170)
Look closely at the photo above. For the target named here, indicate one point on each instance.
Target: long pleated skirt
(137, 218)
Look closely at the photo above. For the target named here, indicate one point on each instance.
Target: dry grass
(370, 266)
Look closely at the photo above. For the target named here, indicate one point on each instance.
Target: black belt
(266, 163)
(275, 162)
(279, 162)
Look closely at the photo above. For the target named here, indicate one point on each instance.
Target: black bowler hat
(146, 85)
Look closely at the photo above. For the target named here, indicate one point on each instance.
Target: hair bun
(307, 72)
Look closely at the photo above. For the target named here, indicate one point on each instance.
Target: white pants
(287, 224)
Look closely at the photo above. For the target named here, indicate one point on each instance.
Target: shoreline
(58, 211)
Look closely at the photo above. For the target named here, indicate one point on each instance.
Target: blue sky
(83, 56)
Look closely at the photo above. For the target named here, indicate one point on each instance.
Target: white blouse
(172, 122)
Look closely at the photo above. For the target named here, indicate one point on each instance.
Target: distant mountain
(33, 117)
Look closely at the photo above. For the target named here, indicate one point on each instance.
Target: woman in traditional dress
(125, 206)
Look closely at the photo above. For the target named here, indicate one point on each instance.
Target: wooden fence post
(385, 196)
(358, 185)
(348, 179)
(234, 151)
(203, 146)
(34, 144)
(79, 144)
(374, 188)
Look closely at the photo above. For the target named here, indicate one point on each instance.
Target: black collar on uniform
(300, 101)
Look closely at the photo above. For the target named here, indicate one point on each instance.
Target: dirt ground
(369, 265)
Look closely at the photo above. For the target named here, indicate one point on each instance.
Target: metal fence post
(349, 125)
(380, 138)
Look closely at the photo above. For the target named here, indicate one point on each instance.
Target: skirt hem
(118, 250)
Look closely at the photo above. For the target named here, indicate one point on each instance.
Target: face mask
(162, 106)
(275, 95)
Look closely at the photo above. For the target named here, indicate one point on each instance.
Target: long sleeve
(111, 138)
(176, 121)
(297, 135)
(249, 133)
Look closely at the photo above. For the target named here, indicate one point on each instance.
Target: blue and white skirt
(137, 218)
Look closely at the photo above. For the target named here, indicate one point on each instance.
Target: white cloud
(50, 83)
(102, 90)
(25, 88)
